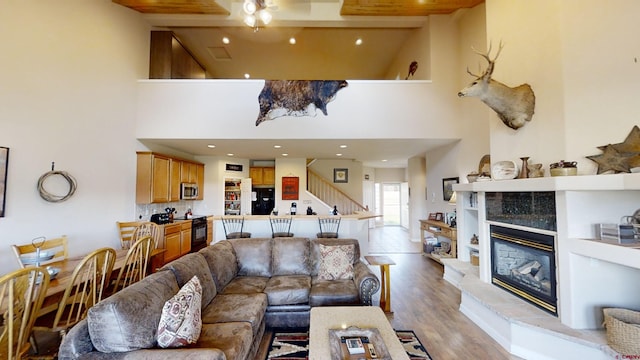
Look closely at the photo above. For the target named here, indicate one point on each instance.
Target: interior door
(245, 196)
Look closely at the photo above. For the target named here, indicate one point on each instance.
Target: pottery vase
(524, 170)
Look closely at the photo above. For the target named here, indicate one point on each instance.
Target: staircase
(324, 190)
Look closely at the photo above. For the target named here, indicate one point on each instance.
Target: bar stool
(328, 226)
(280, 226)
(233, 227)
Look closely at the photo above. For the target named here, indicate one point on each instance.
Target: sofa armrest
(76, 342)
(366, 281)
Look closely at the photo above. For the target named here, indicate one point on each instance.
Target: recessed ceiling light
(292, 41)
(338, 154)
(225, 40)
(358, 41)
(343, 146)
(277, 146)
(385, 160)
(211, 146)
(247, 76)
(229, 154)
(285, 154)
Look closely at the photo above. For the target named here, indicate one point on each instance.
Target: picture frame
(447, 187)
(341, 175)
(439, 216)
(4, 166)
(290, 187)
(432, 216)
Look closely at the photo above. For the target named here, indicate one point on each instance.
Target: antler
(489, 70)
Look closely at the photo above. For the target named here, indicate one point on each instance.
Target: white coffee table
(325, 318)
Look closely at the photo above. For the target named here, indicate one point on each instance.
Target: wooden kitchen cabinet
(185, 238)
(200, 182)
(158, 177)
(262, 175)
(209, 230)
(177, 240)
(172, 235)
(189, 172)
(175, 169)
(152, 178)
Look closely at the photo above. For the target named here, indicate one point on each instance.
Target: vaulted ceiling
(325, 33)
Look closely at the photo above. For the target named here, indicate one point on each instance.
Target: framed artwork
(340, 175)
(290, 187)
(4, 165)
(447, 187)
(439, 216)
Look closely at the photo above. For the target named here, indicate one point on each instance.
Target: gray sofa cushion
(315, 251)
(233, 338)
(254, 256)
(291, 256)
(192, 265)
(222, 262)
(128, 320)
(333, 292)
(237, 307)
(246, 285)
(288, 290)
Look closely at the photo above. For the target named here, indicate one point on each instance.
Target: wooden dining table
(58, 285)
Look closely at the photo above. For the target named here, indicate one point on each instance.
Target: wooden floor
(425, 303)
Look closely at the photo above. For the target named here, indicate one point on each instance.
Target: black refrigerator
(264, 201)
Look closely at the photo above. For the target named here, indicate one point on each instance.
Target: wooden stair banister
(324, 190)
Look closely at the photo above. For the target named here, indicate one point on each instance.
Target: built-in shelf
(558, 183)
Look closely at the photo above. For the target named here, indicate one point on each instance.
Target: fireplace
(523, 263)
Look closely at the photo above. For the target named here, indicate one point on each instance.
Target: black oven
(198, 233)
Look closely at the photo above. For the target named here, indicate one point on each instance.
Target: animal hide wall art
(296, 97)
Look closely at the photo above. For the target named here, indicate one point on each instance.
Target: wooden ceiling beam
(209, 7)
(404, 7)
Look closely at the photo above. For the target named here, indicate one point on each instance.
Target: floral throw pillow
(181, 320)
(336, 262)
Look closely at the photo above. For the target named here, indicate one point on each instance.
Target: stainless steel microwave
(188, 191)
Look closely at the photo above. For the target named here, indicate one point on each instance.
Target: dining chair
(280, 226)
(126, 229)
(53, 250)
(328, 226)
(21, 295)
(135, 264)
(234, 226)
(147, 228)
(86, 287)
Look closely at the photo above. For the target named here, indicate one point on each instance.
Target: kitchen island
(355, 226)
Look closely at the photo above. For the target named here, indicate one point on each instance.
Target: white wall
(69, 71)
(578, 59)
(415, 48)
(453, 36)
(325, 167)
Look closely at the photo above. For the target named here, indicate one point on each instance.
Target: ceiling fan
(258, 10)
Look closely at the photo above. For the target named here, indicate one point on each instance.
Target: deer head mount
(514, 106)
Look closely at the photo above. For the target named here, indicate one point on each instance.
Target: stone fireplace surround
(591, 274)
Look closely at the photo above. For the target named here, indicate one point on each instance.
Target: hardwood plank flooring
(422, 301)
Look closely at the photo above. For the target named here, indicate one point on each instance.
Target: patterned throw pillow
(336, 262)
(181, 320)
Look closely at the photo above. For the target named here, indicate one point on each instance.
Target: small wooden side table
(385, 280)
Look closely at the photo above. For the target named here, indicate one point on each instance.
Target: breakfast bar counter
(355, 226)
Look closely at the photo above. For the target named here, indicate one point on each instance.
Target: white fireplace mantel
(591, 273)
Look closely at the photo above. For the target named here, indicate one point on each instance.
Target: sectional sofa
(246, 286)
